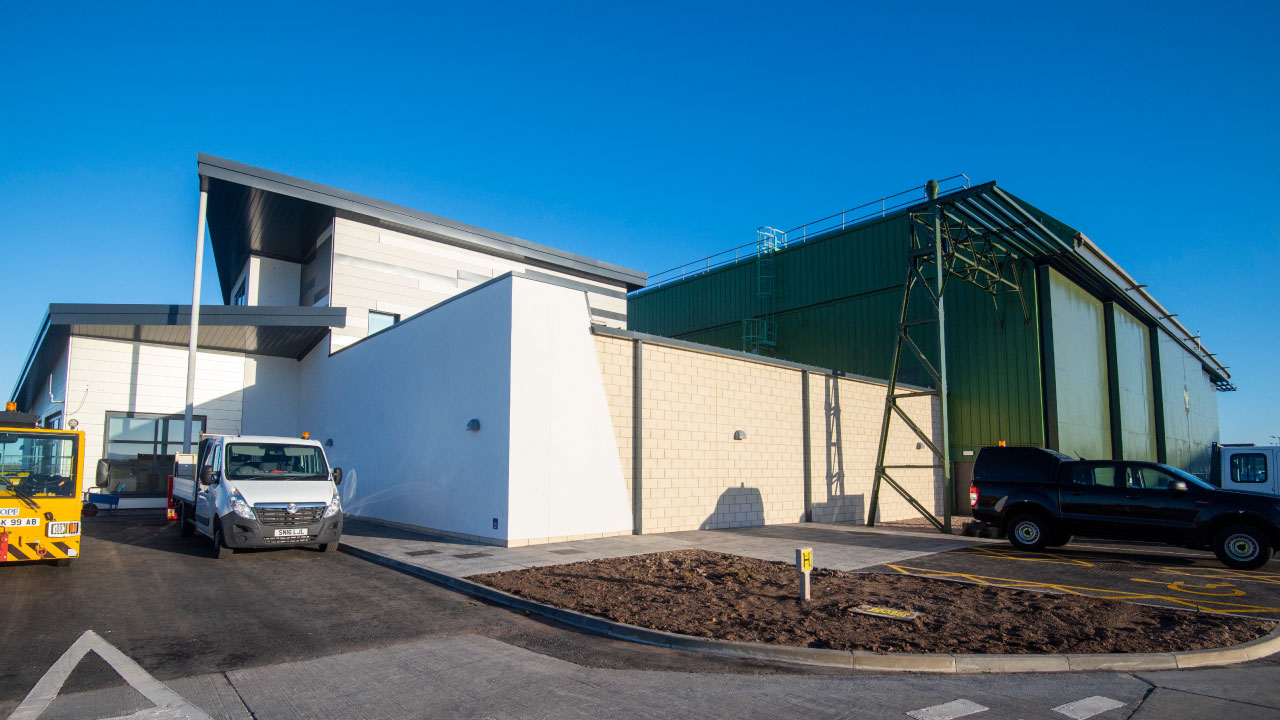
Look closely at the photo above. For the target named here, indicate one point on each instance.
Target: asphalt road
(167, 604)
(1136, 572)
(301, 634)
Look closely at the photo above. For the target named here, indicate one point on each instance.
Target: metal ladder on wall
(760, 332)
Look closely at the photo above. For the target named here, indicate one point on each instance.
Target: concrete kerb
(853, 660)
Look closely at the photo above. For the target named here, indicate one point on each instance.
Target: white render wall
(396, 407)
(379, 269)
(518, 356)
(566, 478)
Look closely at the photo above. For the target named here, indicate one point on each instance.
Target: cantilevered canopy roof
(256, 211)
(276, 331)
(986, 207)
(1035, 235)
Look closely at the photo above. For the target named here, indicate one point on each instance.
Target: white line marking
(1088, 707)
(168, 704)
(948, 711)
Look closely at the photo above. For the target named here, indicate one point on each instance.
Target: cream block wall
(696, 476)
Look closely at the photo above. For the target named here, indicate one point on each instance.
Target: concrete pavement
(838, 547)
(471, 676)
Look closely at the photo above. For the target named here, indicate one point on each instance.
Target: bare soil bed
(728, 597)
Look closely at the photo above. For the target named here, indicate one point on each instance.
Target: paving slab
(838, 547)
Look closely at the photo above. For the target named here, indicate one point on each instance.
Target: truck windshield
(273, 461)
(37, 465)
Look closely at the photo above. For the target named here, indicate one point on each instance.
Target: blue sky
(652, 134)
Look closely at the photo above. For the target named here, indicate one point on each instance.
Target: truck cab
(1246, 468)
(257, 491)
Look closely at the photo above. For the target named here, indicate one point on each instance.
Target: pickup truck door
(205, 493)
(1092, 498)
(1162, 512)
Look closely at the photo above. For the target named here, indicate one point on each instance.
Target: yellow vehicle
(40, 486)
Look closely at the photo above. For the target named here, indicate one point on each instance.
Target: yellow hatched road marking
(1213, 606)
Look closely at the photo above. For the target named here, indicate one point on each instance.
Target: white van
(253, 491)
(1246, 468)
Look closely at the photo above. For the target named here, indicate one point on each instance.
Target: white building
(385, 331)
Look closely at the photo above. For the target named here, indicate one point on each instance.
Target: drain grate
(472, 556)
(569, 552)
(420, 553)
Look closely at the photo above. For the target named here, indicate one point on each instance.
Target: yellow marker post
(804, 563)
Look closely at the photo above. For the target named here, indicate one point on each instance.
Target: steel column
(637, 437)
(939, 258)
(194, 335)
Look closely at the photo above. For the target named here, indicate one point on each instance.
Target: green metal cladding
(1093, 381)
(837, 302)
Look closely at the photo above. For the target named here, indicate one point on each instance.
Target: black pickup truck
(1041, 498)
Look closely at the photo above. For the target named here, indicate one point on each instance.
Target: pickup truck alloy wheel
(1242, 547)
(1028, 532)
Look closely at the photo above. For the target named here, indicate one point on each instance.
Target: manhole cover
(472, 556)
(419, 553)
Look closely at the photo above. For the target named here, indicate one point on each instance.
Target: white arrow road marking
(168, 704)
(1088, 707)
(947, 711)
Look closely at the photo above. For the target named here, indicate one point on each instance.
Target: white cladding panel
(397, 405)
(273, 282)
(49, 399)
(566, 477)
(378, 269)
(117, 376)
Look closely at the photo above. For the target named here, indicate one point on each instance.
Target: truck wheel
(329, 547)
(220, 549)
(1242, 547)
(62, 562)
(1029, 532)
(186, 528)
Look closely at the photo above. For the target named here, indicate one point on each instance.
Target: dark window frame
(1233, 471)
(156, 443)
(395, 320)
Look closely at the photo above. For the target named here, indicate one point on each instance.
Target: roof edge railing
(835, 222)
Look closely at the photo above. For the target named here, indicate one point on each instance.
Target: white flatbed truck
(255, 491)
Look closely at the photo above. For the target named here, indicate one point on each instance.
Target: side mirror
(104, 473)
(206, 475)
(1178, 486)
(337, 476)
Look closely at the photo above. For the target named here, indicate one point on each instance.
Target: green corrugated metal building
(1094, 366)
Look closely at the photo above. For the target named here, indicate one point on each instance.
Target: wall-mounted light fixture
(739, 435)
(473, 425)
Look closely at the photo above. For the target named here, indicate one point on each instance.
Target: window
(1096, 475)
(37, 465)
(1149, 478)
(140, 448)
(379, 321)
(1249, 468)
(53, 422)
(241, 296)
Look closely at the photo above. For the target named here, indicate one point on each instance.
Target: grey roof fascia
(223, 315)
(445, 229)
(1125, 286)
